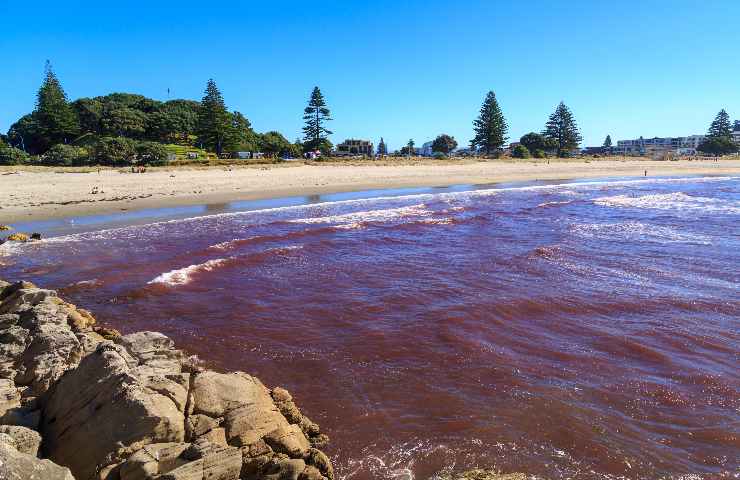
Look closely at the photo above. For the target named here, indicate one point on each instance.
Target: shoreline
(36, 195)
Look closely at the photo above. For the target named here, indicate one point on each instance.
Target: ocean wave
(637, 231)
(565, 188)
(677, 201)
(382, 215)
(183, 276)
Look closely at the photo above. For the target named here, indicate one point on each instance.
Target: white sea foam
(554, 204)
(183, 276)
(382, 215)
(565, 188)
(677, 201)
(637, 231)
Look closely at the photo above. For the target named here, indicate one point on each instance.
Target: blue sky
(397, 69)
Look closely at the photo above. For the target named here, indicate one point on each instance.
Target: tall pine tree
(608, 141)
(721, 126)
(57, 120)
(215, 126)
(316, 114)
(382, 148)
(561, 128)
(490, 126)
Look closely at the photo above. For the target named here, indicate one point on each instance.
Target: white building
(426, 149)
(658, 145)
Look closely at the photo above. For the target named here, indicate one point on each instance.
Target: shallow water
(583, 330)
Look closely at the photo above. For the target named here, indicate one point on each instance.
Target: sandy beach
(39, 193)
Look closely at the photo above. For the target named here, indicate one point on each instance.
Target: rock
(198, 424)
(215, 394)
(107, 333)
(480, 474)
(156, 351)
(108, 398)
(21, 466)
(286, 469)
(310, 473)
(9, 289)
(24, 298)
(280, 394)
(153, 460)
(25, 440)
(318, 459)
(17, 237)
(209, 461)
(5, 227)
(289, 440)
(35, 236)
(10, 397)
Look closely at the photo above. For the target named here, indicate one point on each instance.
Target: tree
(56, 119)
(382, 148)
(65, 155)
(520, 151)
(123, 122)
(25, 134)
(718, 146)
(89, 112)
(721, 126)
(114, 151)
(490, 127)
(608, 141)
(215, 126)
(316, 114)
(273, 144)
(410, 147)
(444, 144)
(151, 153)
(535, 141)
(561, 127)
(13, 156)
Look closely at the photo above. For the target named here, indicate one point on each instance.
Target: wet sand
(39, 193)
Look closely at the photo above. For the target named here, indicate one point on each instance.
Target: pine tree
(410, 147)
(57, 120)
(490, 126)
(561, 128)
(215, 126)
(608, 141)
(721, 126)
(315, 115)
(382, 148)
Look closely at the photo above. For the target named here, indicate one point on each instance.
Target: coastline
(36, 194)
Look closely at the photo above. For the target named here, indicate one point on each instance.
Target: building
(660, 145)
(426, 150)
(353, 146)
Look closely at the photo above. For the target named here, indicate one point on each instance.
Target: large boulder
(15, 465)
(25, 440)
(121, 397)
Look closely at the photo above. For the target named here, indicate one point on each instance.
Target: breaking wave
(632, 231)
(183, 276)
(677, 201)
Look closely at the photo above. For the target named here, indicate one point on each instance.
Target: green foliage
(444, 143)
(382, 148)
(273, 144)
(57, 121)
(718, 146)
(316, 114)
(721, 126)
(539, 153)
(490, 127)
(114, 151)
(520, 151)
(151, 153)
(561, 128)
(535, 141)
(439, 156)
(26, 134)
(123, 122)
(89, 112)
(65, 155)
(215, 124)
(13, 156)
(608, 141)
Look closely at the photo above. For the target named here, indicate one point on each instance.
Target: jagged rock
(215, 394)
(10, 397)
(15, 465)
(17, 237)
(284, 469)
(24, 298)
(310, 473)
(318, 459)
(208, 461)
(108, 398)
(107, 333)
(153, 460)
(289, 440)
(198, 424)
(5, 227)
(25, 440)
(280, 394)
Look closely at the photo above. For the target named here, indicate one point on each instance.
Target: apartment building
(353, 146)
(659, 145)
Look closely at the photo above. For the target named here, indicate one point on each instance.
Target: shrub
(65, 155)
(520, 151)
(539, 153)
(13, 156)
(439, 156)
(151, 153)
(114, 151)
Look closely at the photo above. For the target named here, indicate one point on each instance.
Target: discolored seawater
(583, 330)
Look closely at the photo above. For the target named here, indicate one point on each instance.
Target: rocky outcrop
(17, 465)
(134, 407)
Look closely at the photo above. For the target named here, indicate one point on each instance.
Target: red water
(578, 331)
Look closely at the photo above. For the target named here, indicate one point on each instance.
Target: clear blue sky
(397, 69)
